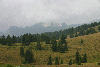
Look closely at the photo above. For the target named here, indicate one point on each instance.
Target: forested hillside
(72, 46)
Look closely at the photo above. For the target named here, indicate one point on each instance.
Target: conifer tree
(61, 48)
(77, 57)
(65, 46)
(38, 47)
(63, 39)
(61, 61)
(29, 56)
(9, 41)
(84, 59)
(47, 41)
(54, 44)
(70, 62)
(76, 35)
(50, 60)
(56, 61)
(3, 40)
(99, 28)
(14, 39)
(22, 51)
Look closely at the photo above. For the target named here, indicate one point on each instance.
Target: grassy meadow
(90, 46)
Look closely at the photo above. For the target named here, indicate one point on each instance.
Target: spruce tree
(50, 60)
(56, 61)
(99, 28)
(47, 41)
(65, 46)
(61, 61)
(38, 47)
(9, 41)
(54, 44)
(77, 57)
(22, 51)
(28, 56)
(63, 39)
(70, 62)
(3, 40)
(84, 59)
(14, 39)
(61, 47)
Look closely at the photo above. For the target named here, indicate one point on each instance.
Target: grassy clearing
(90, 45)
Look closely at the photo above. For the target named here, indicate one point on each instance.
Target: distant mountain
(41, 28)
(96, 20)
(37, 28)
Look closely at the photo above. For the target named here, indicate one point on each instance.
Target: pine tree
(76, 35)
(56, 61)
(99, 28)
(9, 41)
(14, 39)
(65, 46)
(61, 47)
(3, 40)
(81, 40)
(28, 56)
(50, 60)
(22, 51)
(77, 57)
(54, 44)
(61, 61)
(70, 62)
(84, 59)
(63, 39)
(47, 41)
(38, 47)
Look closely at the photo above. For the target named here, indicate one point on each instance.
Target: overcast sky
(23, 13)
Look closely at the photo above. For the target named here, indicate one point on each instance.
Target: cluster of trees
(56, 61)
(80, 59)
(83, 30)
(29, 57)
(8, 40)
(61, 46)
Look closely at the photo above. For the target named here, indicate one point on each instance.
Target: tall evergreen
(77, 57)
(49, 61)
(65, 46)
(29, 56)
(9, 41)
(25, 39)
(99, 28)
(61, 47)
(84, 59)
(3, 40)
(63, 39)
(14, 39)
(38, 46)
(47, 41)
(56, 61)
(70, 62)
(61, 61)
(22, 51)
(54, 44)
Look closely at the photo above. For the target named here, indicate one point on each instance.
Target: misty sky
(23, 13)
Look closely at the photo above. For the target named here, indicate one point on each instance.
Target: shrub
(9, 65)
(70, 62)
(98, 63)
(79, 63)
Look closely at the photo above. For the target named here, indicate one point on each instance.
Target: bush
(70, 62)
(79, 63)
(9, 65)
(81, 40)
(98, 63)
